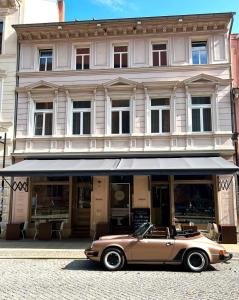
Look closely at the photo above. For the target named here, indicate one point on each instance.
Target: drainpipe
(234, 125)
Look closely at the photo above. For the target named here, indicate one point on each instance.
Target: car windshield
(142, 229)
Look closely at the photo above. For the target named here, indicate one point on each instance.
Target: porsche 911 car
(152, 245)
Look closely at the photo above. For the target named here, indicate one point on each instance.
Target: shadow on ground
(87, 265)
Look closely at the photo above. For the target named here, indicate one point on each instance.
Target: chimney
(61, 10)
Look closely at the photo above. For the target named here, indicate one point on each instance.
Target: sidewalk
(53, 249)
(68, 249)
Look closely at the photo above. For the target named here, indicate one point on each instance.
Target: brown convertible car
(149, 244)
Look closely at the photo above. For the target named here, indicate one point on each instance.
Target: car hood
(115, 237)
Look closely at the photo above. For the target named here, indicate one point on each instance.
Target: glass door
(81, 208)
(120, 206)
(160, 205)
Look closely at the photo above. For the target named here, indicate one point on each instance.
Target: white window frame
(37, 56)
(201, 107)
(81, 111)
(3, 20)
(160, 108)
(199, 39)
(46, 59)
(159, 52)
(83, 56)
(120, 110)
(44, 112)
(73, 54)
(120, 45)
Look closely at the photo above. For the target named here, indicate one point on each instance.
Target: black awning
(123, 166)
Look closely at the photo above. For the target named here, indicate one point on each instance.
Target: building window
(45, 60)
(160, 115)
(201, 114)
(120, 117)
(82, 58)
(194, 203)
(1, 36)
(81, 117)
(199, 53)
(50, 199)
(120, 56)
(43, 118)
(159, 52)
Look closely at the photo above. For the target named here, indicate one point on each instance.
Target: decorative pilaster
(93, 112)
(55, 110)
(173, 111)
(107, 113)
(188, 111)
(133, 110)
(147, 111)
(30, 110)
(68, 113)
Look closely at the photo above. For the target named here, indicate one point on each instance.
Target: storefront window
(194, 203)
(50, 202)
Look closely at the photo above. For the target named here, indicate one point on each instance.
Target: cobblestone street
(82, 279)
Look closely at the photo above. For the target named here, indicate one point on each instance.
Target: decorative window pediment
(39, 87)
(203, 79)
(119, 83)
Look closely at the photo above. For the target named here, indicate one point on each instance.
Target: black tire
(113, 259)
(196, 261)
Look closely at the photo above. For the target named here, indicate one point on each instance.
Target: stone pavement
(64, 249)
(74, 279)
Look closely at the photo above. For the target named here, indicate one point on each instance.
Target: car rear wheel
(113, 259)
(196, 261)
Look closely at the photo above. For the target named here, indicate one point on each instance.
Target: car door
(151, 249)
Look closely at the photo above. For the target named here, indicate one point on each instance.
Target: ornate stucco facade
(120, 91)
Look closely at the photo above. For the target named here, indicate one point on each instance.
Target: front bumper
(225, 257)
(91, 253)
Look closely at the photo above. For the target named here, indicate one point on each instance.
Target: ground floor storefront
(116, 195)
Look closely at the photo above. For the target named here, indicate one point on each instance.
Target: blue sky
(106, 9)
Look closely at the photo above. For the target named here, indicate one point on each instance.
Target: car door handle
(168, 244)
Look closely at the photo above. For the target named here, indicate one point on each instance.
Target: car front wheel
(196, 261)
(113, 259)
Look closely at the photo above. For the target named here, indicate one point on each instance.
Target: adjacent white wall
(40, 11)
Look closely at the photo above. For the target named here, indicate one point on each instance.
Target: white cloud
(112, 4)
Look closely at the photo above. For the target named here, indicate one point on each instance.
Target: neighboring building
(15, 12)
(235, 86)
(119, 115)
(235, 79)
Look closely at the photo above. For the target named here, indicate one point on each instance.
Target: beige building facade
(121, 121)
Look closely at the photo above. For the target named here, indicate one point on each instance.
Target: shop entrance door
(120, 207)
(160, 205)
(81, 206)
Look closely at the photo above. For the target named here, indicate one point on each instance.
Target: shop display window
(194, 203)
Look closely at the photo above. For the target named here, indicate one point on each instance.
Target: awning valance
(122, 166)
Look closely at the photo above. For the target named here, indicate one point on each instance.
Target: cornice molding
(112, 71)
(125, 27)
